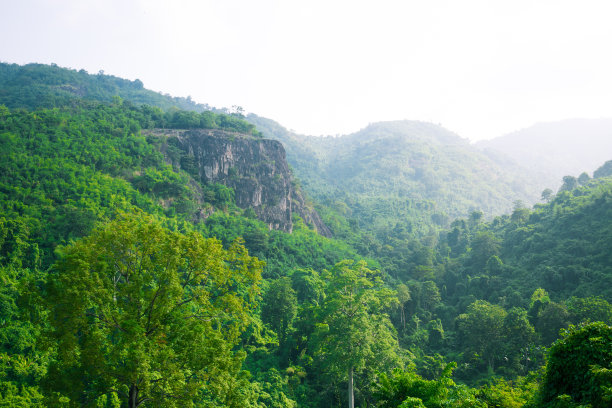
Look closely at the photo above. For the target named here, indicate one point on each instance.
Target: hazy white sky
(479, 68)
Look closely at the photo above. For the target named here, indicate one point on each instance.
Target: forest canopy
(125, 280)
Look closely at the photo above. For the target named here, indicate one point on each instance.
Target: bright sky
(479, 68)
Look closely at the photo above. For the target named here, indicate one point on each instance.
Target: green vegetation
(579, 368)
(353, 332)
(413, 175)
(66, 168)
(48, 86)
(125, 281)
(408, 389)
(144, 314)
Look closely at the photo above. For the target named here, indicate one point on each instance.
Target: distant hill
(555, 149)
(402, 170)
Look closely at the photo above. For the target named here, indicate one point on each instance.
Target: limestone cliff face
(256, 169)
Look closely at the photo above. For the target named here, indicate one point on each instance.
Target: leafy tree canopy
(579, 369)
(148, 314)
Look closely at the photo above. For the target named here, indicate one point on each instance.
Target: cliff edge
(255, 168)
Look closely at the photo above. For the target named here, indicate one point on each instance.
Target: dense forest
(127, 280)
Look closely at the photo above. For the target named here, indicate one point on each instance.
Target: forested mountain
(415, 171)
(552, 150)
(153, 257)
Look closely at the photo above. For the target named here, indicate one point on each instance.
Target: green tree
(148, 314)
(520, 336)
(279, 308)
(604, 171)
(578, 369)
(429, 295)
(550, 319)
(308, 286)
(547, 195)
(495, 266)
(475, 218)
(403, 296)
(520, 213)
(583, 179)
(569, 183)
(539, 299)
(21, 363)
(484, 246)
(594, 309)
(508, 394)
(480, 330)
(354, 330)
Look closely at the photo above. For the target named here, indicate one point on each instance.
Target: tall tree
(595, 309)
(550, 319)
(403, 296)
(480, 330)
(279, 307)
(484, 246)
(148, 314)
(355, 331)
(583, 179)
(547, 195)
(569, 183)
(520, 337)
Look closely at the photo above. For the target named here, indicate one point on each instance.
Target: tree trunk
(351, 398)
(133, 397)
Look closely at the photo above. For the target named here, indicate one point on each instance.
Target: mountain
(402, 169)
(552, 150)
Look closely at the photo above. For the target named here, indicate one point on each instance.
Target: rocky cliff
(256, 169)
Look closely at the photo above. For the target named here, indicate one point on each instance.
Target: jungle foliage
(116, 292)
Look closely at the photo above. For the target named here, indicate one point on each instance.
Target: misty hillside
(552, 150)
(415, 168)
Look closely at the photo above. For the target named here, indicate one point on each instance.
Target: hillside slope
(402, 170)
(259, 176)
(563, 246)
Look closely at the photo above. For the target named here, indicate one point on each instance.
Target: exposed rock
(256, 169)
